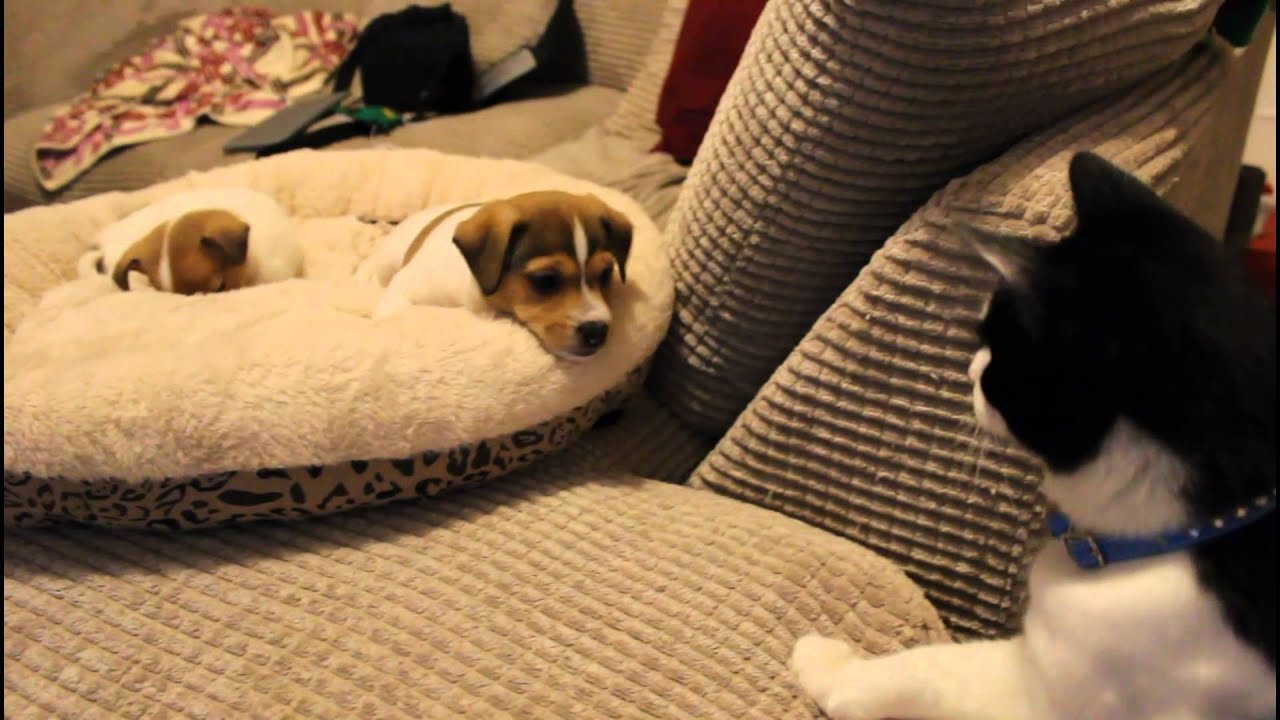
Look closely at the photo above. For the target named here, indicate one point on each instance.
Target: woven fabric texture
(618, 36)
(644, 439)
(567, 593)
(867, 428)
(636, 118)
(840, 121)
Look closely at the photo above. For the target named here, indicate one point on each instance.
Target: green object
(382, 118)
(1237, 20)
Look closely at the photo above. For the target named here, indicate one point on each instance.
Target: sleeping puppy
(546, 258)
(199, 241)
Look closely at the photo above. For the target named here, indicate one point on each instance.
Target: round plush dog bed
(148, 409)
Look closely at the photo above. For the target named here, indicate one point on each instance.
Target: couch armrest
(867, 428)
(1213, 166)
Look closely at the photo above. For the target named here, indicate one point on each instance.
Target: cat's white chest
(1138, 640)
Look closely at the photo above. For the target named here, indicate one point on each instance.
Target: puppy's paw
(364, 273)
(91, 264)
(139, 282)
(371, 272)
(390, 304)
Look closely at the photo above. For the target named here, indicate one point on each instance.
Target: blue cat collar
(1092, 551)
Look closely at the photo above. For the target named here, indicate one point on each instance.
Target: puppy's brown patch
(507, 234)
(207, 250)
(143, 256)
(550, 316)
(525, 257)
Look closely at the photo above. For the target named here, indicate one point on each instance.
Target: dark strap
(422, 236)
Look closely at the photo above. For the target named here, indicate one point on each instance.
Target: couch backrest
(51, 53)
(636, 118)
(841, 119)
(53, 49)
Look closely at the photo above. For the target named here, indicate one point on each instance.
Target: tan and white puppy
(199, 241)
(546, 258)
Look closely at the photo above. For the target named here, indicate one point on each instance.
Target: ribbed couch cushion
(567, 593)
(867, 429)
(841, 120)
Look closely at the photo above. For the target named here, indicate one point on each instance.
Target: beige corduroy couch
(811, 391)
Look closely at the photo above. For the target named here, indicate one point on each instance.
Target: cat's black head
(1137, 315)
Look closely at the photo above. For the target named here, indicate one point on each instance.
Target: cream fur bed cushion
(140, 386)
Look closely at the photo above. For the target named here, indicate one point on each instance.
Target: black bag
(417, 60)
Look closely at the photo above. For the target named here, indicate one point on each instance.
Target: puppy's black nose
(593, 334)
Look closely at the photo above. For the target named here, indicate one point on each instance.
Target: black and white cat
(1134, 361)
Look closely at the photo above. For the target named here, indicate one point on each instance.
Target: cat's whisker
(981, 439)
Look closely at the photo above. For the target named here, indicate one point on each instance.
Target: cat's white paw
(842, 683)
(815, 652)
(818, 663)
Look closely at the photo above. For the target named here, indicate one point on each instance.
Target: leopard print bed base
(297, 492)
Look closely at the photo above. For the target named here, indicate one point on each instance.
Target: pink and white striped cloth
(237, 66)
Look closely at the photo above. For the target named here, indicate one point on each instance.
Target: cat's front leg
(975, 681)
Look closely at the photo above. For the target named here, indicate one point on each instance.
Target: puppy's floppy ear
(121, 275)
(143, 256)
(617, 234)
(229, 250)
(222, 236)
(487, 240)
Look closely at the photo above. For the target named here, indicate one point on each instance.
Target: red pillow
(711, 40)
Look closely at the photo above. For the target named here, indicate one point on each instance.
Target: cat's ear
(1011, 257)
(1103, 192)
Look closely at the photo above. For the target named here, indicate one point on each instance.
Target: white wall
(1260, 148)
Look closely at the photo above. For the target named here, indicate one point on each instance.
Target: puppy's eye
(606, 275)
(545, 283)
